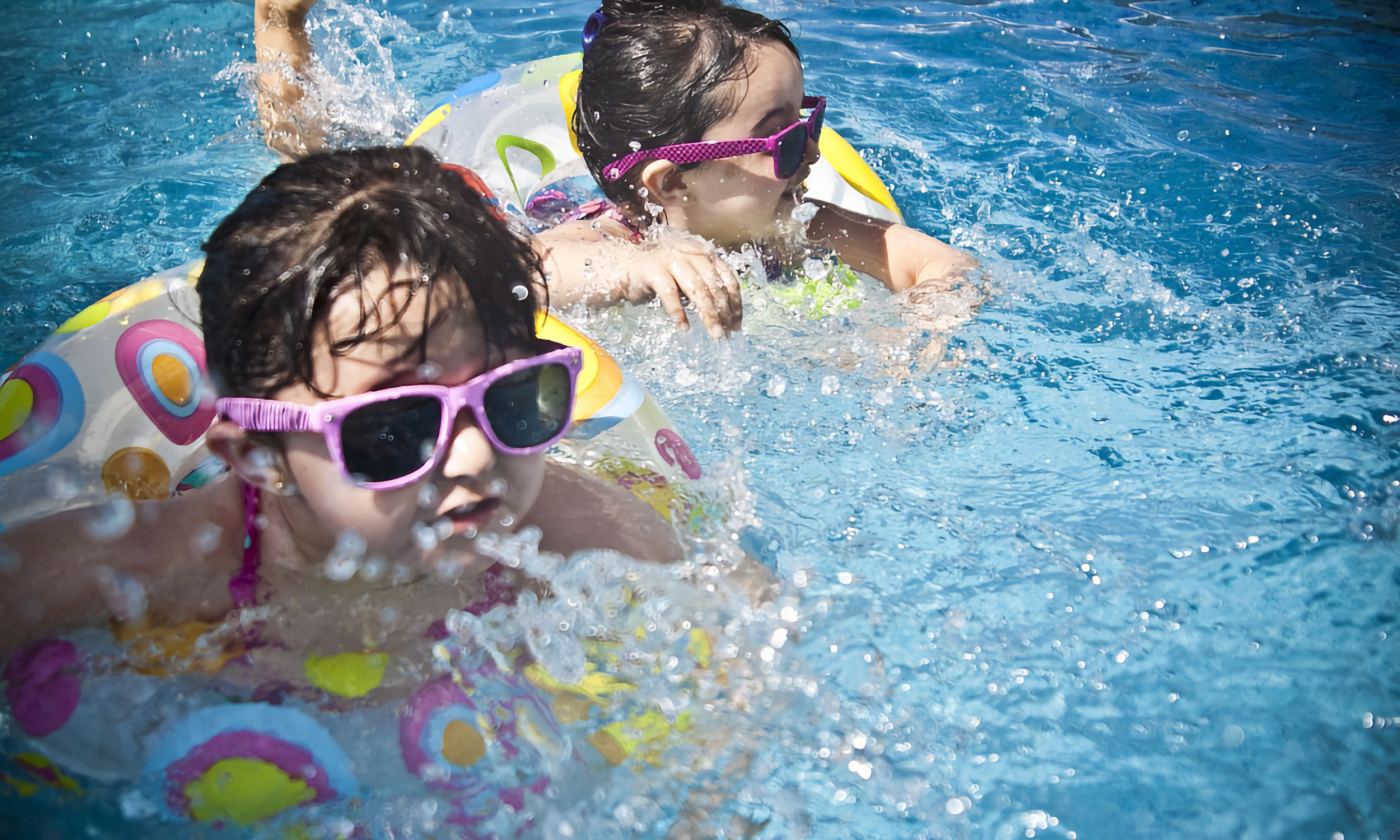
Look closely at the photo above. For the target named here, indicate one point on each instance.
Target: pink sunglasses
(788, 147)
(384, 440)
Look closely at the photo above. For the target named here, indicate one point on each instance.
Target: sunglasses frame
(326, 418)
(811, 128)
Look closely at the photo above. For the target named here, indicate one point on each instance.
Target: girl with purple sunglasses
(371, 327)
(693, 113)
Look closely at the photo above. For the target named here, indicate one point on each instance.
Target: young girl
(370, 326)
(692, 114)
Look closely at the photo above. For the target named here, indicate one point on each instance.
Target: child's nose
(469, 451)
(811, 153)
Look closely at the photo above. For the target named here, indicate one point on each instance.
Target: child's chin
(456, 562)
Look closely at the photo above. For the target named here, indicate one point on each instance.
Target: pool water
(1114, 557)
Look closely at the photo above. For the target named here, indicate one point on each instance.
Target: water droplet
(1233, 736)
(344, 559)
(206, 538)
(372, 570)
(804, 212)
(62, 483)
(424, 536)
(111, 520)
(1183, 134)
(520, 291)
(125, 595)
(429, 371)
(830, 385)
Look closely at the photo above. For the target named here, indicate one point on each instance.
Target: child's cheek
(524, 474)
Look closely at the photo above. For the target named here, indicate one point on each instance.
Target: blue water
(1116, 557)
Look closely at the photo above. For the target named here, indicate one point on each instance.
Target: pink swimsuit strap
(244, 585)
(601, 208)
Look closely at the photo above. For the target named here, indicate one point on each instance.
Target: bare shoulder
(577, 511)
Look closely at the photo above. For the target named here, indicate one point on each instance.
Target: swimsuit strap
(601, 207)
(244, 586)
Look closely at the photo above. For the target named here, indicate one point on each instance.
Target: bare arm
(898, 256)
(596, 263)
(576, 511)
(81, 568)
(279, 36)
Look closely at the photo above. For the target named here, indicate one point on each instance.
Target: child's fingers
(696, 287)
(665, 288)
(728, 289)
(724, 307)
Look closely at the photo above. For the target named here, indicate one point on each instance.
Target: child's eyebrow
(414, 345)
(775, 112)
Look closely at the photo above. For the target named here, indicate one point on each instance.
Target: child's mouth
(472, 517)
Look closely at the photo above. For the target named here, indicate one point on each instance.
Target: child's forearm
(279, 37)
(582, 266)
(896, 255)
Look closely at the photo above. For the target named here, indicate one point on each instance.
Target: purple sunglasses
(788, 147)
(384, 440)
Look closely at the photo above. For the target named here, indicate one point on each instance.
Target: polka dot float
(246, 762)
(137, 473)
(41, 411)
(16, 404)
(486, 741)
(162, 365)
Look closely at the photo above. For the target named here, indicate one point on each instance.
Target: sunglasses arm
(256, 415)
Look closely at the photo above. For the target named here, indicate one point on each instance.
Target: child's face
(474, 488)
(738, 200)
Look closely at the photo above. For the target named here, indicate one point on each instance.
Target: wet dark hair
(310, 233)
(654, 75)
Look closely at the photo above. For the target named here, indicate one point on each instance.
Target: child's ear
(256, 463)
(664, 182)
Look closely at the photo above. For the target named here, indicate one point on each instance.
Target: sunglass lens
(392, 439)
(529, 407)
(818, 122)
(792, 146)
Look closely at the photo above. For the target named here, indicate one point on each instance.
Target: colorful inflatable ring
(514, 128)
(116, 402)
(245, 762)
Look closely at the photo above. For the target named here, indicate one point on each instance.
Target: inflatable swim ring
(115, 402)
(485, 731)
(514, 128)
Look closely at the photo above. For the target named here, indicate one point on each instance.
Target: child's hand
(279, 36)
(283, 11)
(692, 269)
